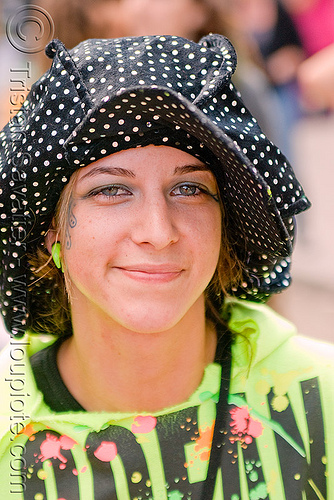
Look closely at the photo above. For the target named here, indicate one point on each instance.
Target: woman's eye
(111, 191)
(188, 190)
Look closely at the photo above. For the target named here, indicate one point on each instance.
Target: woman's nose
(156, 224)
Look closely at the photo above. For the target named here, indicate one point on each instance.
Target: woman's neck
(120, 370)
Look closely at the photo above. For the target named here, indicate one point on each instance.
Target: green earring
(56, 255)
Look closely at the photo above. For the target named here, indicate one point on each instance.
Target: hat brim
(245, 193)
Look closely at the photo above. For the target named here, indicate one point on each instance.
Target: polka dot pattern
(104, 96)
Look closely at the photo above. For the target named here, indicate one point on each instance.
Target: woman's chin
(149, 314)
(161, 316)
(150, 323)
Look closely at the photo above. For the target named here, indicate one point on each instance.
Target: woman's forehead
(152, 156)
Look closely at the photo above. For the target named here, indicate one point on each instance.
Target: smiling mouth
(151, 274)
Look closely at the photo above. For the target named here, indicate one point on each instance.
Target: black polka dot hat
(104, 96)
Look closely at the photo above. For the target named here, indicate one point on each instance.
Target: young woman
(143, 217)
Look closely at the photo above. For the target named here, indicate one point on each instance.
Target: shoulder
(312, 349)
(264, 337)
(286, 383)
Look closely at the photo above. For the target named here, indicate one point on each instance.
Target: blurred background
(286, 77)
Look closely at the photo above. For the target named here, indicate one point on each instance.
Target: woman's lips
(157, 273)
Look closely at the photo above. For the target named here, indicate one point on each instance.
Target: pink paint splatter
(255, 428)
(106, 452)
(243, 426)
(143, 424)
(66, 442)
(51, 446)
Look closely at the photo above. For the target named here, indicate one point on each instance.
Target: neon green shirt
(278, 442)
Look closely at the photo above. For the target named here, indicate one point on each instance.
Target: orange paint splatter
(28, 430)
(204, 456)
(202, 446)
(205, 439)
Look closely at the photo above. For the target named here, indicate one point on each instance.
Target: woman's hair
(51, 312)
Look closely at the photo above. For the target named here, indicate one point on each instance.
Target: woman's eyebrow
(124, 172)
(186, 169)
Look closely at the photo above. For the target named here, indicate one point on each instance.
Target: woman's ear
(50, 238)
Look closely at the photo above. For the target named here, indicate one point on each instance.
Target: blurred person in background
(314, 21)
(77, 20)
(316, 80)
(269, 27)
(312, 139)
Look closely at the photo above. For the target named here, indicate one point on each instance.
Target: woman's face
(143, 237)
